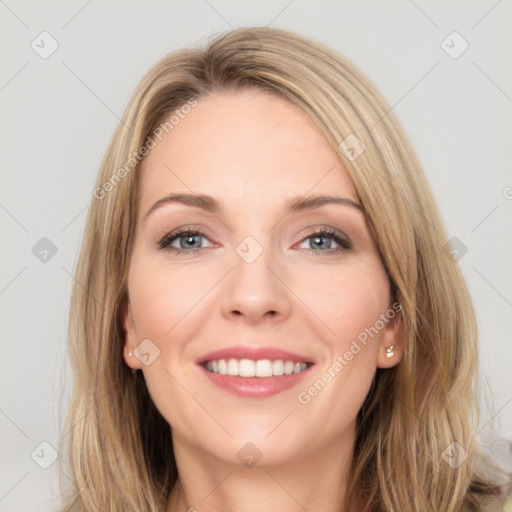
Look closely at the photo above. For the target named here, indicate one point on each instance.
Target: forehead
(242, 144)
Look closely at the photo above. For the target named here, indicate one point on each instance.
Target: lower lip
(255, 387)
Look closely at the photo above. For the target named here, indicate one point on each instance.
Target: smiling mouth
(263, 368)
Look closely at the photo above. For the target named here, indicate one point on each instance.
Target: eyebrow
(293, 205)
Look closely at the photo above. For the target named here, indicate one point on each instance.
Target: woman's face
(267, 274)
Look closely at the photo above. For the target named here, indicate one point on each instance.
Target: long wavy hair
(118, 445)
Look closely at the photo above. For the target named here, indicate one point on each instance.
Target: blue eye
(323, 239)
(191, 241)
(188, 241)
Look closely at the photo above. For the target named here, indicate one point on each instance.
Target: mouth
(261, 368)
(254, 372)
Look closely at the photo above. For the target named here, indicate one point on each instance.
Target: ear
(130, 337)
(391, 342)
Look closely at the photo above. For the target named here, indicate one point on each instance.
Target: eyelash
(342, 240)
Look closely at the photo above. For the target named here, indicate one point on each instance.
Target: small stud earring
(130, 353)
(389, 351)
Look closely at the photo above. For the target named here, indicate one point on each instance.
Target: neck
(318, 481)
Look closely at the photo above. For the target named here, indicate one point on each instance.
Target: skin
(253, 151)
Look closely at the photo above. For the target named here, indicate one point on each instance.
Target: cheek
(166, 305)
(348, 301)
(164, 300)
(351, 309)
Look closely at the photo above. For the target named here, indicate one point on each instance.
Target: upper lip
(254, 353)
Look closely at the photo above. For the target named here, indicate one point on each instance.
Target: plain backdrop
(59, 110)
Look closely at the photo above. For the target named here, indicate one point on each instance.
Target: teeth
(264, 368)
(246, 367)
(250, 368)
(278, 367)
(232, 368)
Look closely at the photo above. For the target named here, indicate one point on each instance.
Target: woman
(264, 316)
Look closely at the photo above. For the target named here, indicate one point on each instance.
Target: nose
(256, 292)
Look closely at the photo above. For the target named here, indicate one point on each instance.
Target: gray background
(59, 112)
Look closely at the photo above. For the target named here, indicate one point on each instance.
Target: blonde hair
(120, 447)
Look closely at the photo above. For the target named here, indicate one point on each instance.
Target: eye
(323, 239)
(187, 240)
(184, 240)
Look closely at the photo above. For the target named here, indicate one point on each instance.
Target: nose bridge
(253, 290)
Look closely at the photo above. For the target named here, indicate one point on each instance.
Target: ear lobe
(391, 343)
(130, 337)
